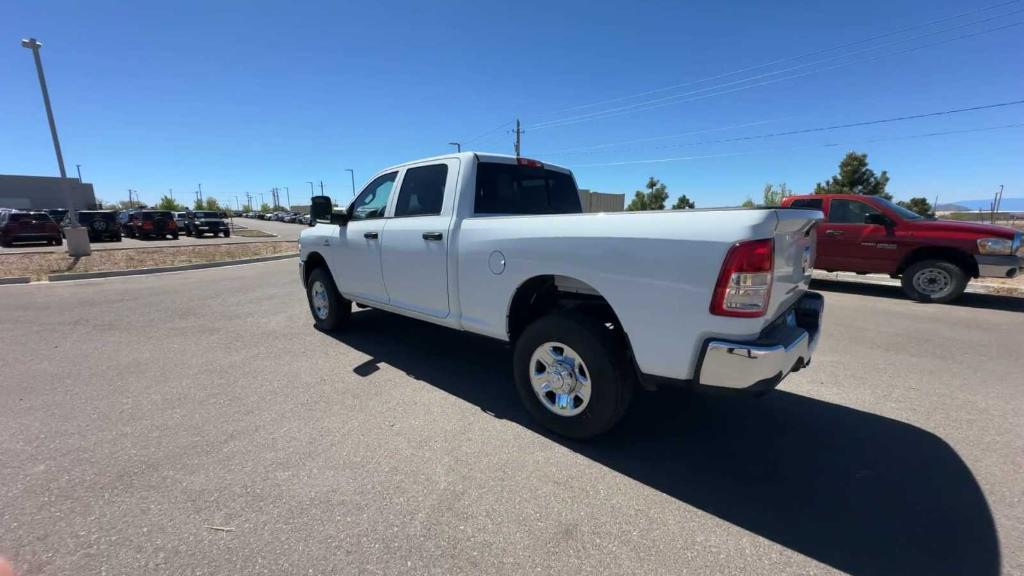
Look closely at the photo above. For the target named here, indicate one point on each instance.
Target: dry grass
(38, 266)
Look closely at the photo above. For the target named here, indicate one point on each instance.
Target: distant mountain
(952, 208)
(1007, 205)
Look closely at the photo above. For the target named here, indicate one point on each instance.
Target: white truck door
(357, 258)
(415, 240)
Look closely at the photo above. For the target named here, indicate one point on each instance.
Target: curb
(973, 287)
(160, 269)
(15, 280)
(162, 247)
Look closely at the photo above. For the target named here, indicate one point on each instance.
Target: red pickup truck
(934, 258)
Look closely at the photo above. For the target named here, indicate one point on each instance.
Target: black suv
(149, 224)
(101, 224)
(201, 222)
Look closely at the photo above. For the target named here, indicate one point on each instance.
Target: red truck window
(810, 203)
(848, 211)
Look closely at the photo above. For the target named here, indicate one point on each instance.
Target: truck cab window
(810, 204)
(515, 189)
(848, 211)
(373, 200)
(422, 192)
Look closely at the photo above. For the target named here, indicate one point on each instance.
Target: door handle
(834, 232)
(432, 236)
(371, 235)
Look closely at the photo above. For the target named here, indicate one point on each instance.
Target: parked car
(304, 219)
(594, 305)
(149, 224)
(57, 214)
(202, 222)
(935, 259)
(28, 226)
(100, 224)
(180, 220)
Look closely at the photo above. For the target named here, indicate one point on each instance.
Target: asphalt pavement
(281, 232)
(196, 423)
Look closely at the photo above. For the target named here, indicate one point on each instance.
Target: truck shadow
(860, 492)
(969, 299)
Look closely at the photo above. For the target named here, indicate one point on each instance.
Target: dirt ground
(39, 266)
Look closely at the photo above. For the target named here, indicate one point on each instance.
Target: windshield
(155, 215)
(206, 214)
(903, 212)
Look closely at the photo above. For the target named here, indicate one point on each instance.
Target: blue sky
(248, 95)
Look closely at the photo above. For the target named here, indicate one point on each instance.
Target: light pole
(353, 174)
(34, 45)
(311, 192)
(458, 146)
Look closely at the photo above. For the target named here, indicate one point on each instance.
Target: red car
(28, 226)
(934, 258)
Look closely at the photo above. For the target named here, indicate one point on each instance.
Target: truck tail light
(745, 282)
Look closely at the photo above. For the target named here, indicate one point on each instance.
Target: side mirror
(321, 209)
(877, 219)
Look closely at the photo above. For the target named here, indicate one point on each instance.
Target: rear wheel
(936, 281)
(330, 309)
(227, 234)
(174, 236)
(573, 374)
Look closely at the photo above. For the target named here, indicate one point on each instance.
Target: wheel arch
(962, 259)
(313, 261)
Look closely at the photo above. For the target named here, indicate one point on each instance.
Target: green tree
(920, 205)
(653, 199)
(855, 178)
(246, 208)
(683, 203)
(168, 203)
(212, 203)
(748, 203)
(265, 207)
(772, 196)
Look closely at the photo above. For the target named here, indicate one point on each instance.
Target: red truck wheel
(936, 281)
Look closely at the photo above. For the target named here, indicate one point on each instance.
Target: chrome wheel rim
(933, 281)
(321, 307)
(560, 379)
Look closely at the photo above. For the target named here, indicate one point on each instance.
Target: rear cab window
(30, 217)
(513, 189)
(808, 203)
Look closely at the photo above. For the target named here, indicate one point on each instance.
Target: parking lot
(280, 230)
(218, 432)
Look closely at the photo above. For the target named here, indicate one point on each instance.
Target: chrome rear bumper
(760, 364)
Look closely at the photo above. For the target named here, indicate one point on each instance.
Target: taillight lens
(745, 282)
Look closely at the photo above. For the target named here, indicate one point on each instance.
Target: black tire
(197, 234)
(58, 242)
(174, 236)
(339, 309)
(117, 238)
(227, 234)
(603, 352)
(949, 278)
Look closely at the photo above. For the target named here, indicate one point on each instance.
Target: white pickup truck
(593, 305)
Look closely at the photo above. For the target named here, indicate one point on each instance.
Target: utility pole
(311, 192)
(237, 207)
(199, 199)
(288, 196)
(171, 192)
(200, 191)
(353, 175)
(519, 138)
(321, 187)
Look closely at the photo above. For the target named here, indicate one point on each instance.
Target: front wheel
(936, 281)
(573, 374)
(330, 309)
(227, 234)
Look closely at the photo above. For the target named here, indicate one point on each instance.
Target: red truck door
(845, 242)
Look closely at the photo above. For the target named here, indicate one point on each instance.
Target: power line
(651, 105)
(791, 58)
(491, 131)
(841, 126)
(786, 149)
(666, 137)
